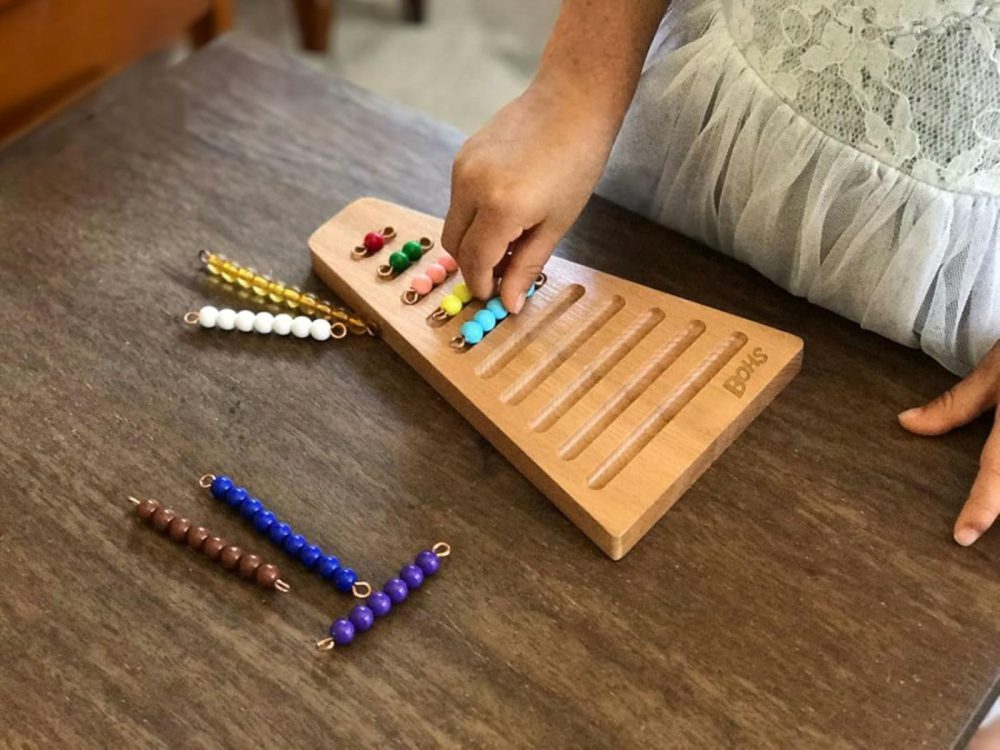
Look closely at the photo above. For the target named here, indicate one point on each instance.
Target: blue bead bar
(281, 534)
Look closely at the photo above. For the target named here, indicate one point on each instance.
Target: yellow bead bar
(278, 292)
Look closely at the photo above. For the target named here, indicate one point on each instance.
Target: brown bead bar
(231, 557)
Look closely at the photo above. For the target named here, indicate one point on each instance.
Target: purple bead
(342, 631)
(396, 590)
(328, 567)
(310, 555)
(428, 562)
(235, 496)
(294, 544)
(379, 603)
(412, 576)
(220, 486)
(362, 618)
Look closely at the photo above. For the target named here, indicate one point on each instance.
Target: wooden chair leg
(217, 19)
(413, 10)
(314, 18)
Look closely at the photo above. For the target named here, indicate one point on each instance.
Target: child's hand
(518, 184)
(963, 403)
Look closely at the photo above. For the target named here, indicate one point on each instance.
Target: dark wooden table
(805, 593)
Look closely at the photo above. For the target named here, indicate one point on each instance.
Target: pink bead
(448, 262)
(437, 272)
(421, 283)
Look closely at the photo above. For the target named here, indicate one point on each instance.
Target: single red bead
(374, 242)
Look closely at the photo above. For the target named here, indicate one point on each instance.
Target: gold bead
(322, 310)
(260, 285)
(276, 291)
(214, 264)
(245, 277)
(292, 297)
(308, 302)
(339, 313)
(229, 271)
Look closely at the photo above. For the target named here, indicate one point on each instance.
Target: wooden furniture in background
(805, 593)
(53, 51)
(613, 398)
(315, 17)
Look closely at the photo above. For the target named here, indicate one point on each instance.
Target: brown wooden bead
(213, 547)
(249, 565)
(162, 518)
(268, 575)
(196, 536)
(146, 509)
(230, 557)
(179, 528)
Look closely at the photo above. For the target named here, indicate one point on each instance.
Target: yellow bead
(357, 323)
(245, 277)
(276, 291)
(323, 311)
(292, 297)
(451, 304)
(214, 264)
(308, 302)
(229, 271)
(339, 313)
(462, 292)
(260, 284)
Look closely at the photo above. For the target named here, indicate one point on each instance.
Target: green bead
(399, 262)
(413, 250)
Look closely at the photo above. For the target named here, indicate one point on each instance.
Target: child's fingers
(958, 405)
(460, 214)
(983, 505)
(529, 256)
(483, 247)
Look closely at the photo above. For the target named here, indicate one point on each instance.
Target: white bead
(207, 316)
(226, 319)
(282, 324)
(320, 330)
(300, 326)
(263, 322)
(244, 320)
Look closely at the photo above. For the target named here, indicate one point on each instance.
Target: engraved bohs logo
(737, 382)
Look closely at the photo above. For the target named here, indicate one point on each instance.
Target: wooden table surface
(805, 592)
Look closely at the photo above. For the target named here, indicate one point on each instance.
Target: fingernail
(519, 303)
(909, 413)
(966, 536)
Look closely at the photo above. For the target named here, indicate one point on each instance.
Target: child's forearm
(595, 54)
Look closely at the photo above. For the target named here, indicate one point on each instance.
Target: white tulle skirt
(711, 151)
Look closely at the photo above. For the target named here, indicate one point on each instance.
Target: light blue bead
(472, 332)
(530, 293)
(487, 321)
(496, 307)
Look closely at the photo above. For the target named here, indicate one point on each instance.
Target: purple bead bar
(380, 603)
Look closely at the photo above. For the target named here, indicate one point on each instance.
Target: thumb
(531, 251)
(956, 406)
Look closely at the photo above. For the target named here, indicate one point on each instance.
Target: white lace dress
(847, 149)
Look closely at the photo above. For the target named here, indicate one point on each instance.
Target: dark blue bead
(310, 555)
(428, 562)
(235, 497)
(328, 567)
(412, 576)
(362, 618)
(396, 589)
(263, 520)
(344, 579)
(220, 486)
(279, 532)
(379, 603)
(294, 544)
(342, 632)
(250, 507)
